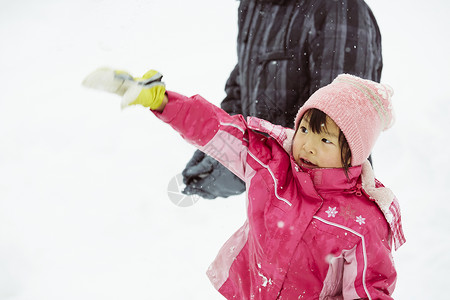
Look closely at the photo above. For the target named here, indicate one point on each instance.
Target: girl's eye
(303, 129)
(326, 141)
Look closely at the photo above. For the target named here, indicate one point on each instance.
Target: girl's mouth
(307, 163)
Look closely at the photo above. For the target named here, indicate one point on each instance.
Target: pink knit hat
(361, 108)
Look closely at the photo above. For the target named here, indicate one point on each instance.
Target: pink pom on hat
(361, 108)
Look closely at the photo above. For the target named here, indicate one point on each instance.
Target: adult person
(287, 49)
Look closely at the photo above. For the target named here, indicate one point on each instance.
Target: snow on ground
(84, 210)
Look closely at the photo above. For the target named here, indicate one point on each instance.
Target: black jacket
(287, 49)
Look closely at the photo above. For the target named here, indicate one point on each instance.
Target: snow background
(84, 211)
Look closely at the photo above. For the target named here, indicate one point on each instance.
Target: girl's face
(317, 150)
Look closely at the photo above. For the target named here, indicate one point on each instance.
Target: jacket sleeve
(232, 102)
(210, 129)
(369, 271)
(345, 38)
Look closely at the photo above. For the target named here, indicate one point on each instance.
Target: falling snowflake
(360, 220)
(331, 212)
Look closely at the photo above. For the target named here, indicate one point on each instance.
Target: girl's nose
(309, 147)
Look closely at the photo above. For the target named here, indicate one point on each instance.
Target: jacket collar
(324, 179)
(328, 180)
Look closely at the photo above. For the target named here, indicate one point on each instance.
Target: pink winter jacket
(309, 234)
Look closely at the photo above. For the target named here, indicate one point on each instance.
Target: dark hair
(316, 120)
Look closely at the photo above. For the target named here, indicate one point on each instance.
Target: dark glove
(206, 177)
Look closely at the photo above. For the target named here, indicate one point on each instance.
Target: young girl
(319, 225)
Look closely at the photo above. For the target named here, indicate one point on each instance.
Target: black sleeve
(232, 102)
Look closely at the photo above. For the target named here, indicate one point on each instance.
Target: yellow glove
(147, 90)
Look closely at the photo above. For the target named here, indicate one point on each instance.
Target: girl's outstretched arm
(209, 128)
